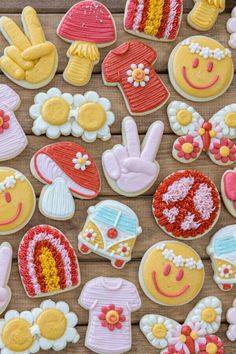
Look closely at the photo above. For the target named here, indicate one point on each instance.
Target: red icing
(195, 63)
(164, 20)
(198, 87)
(112, 233)
(230, 186)
(217, 154)
(177, 19)
(4, 121)
(117, 63)
(177, 294)
(109, 320)
(144, 16)
(15, 217)
(131, 13)
(7, 197)
(167, 269)
(89, 21)
(212, 339)
(210, 66)
(179, 275)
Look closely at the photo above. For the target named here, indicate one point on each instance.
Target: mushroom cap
(56, 160)
(88, 21)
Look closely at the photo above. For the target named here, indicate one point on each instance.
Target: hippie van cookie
(67, 170)
(171, 273)
(197, 135)
(110, 302)
(200, 68)
(17, 200)
(196, 335)
(204, 14)
(88, 26)
(228, 191)
(231, 28)
(12, 137)
(130, 68)
(231, 319)
(110, 231)
(131, 169)
(5, 270)
(186, 205)
(50, 326)
(222, 250)
(47, 262)
(156, 20)
(29, 61)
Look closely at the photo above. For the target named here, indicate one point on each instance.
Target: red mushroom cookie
(88, 25)
(67, 170)
(186, 205)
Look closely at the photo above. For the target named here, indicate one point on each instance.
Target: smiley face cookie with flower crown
(17, 200)
(171, 273)
(200, 68)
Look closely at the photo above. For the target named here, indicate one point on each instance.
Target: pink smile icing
(7, 222)
(199, 87)
(179, 293)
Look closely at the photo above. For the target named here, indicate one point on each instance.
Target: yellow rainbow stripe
(49, 270)
(155, 13)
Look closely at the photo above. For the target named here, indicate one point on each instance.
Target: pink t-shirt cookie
(110, 302)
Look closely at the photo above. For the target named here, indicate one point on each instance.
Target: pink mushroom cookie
(231, 318)
(12, 137)
(88, 25)
(68, 170)
(5, 269)
(231, 28)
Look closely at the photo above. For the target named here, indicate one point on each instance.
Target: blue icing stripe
(224, 245)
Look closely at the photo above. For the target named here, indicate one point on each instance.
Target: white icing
(203, 201)
(188, 223)
(132, 80)
(10, 181)
(178, 190)
(171, 214)
(78, 165)
(206, 52)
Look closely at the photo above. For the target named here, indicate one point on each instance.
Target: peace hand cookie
(231, 319)
(5, 269)
(204, 14)
(200, 68)
(171, 273)
(231, 28)
(17, 200)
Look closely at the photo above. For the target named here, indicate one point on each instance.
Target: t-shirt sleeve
(87, 297)
(110, 73)
(134, 301)
(149, 54)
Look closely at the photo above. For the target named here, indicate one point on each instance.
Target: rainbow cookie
(158, 20)
(17, 200)
(222, 250)
(228, 190)
(171, 273)
(200, 68)
(5, 270)
(204, 14)
(47, 262)
(186, 205)
(196, 335)
(231, 319)
(110, 231)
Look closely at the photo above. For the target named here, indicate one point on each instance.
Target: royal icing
(5, 267)
(88, 25)
(231, 28)
(50, 326)
(231, 319)
(153, 19)
(222, 250)
(204, 14)
(130, 169)
(56, 165)
(110, 230)
(130, 68)
(228, 190)
(30, 61)
(200, 68)
(195, 201)
(171, 273)
(110, 302)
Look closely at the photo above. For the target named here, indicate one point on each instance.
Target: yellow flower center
(55, 111)
(211, 348)
(224, 151)
(230, 119)
(201, 131)
(52, 324)
(81, 161)
(91, 116)
(187, 148)
(49, 270)
(138, 74)
(184, 117)
(112, 317)
(208, 315)
(16, 335)
(194, 335)
(182, 338)
(159, 331)
(1, 121)
(212, 133)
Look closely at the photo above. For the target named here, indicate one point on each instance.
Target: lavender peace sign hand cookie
(130, 169)
(5, 269)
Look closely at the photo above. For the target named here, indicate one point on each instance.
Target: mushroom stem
(82, 58)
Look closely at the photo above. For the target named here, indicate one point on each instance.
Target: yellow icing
(194, 335)
(130, 244)
(205, 12)
(86, 50)
(11, 68)
(219, 263)
(55, 111)
(208, 315)
(138, 74)
(15, 34)
(52, 324)
(49, 270)
(200, 76)
(159, 331)
(37, 51)
(201, 131)
(112, 317)
(33, 26)
(15, 54)
(211, 348)
(42, 70)
(212, 133)
(98, 239)
(187, 148)
(16, 335)
(184, 117)
(155, 13)
(230, 119)
(182, 338)
(91, 116)
(224, 151)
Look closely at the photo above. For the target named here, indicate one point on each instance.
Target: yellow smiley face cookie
(171, 273)
(200, 68)
(17, 200)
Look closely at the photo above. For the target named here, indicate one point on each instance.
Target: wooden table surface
(50, 13)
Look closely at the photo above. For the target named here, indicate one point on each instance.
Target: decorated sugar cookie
(222, 250)
(47, 262)
(156, 20)
(186, 205)
(171, 273)
(196, 335)
(30, 60)
(200, 68)
(228, 190)
(110, 302)
(110, 230)
(231, 28)
(130, 67)
(197, 135)
(17, 200)
(68, 170)
(50, 326)
(231, 318)
(204, 14)
(88, 25)
(5, 269)
(131, 169)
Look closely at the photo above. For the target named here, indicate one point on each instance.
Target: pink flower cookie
(5, 269)
(197, 135)
(110, 302)
(231, 318)
(231, 28)
(12, 137)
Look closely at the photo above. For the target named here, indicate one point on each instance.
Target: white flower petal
(104, 131)
(39, 126)
(91, 96)
(11, 314)
(35, 347)
(110, 118)
(89, 136)
(66, 128)
(67, 97)
(45, 344)
(70, 334)
(76, 129)
(129, 72)
(40, 97)
(79, 100)
(27, 315)
(133, 66)
(47, 304)
(72, 319)
(105, 103)
(140, 66)
(54, 92)
(53, 132)
(63, 307)
(136, 84)
(59, 344)
(36, 312)
(34, 111)
(130, 80)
